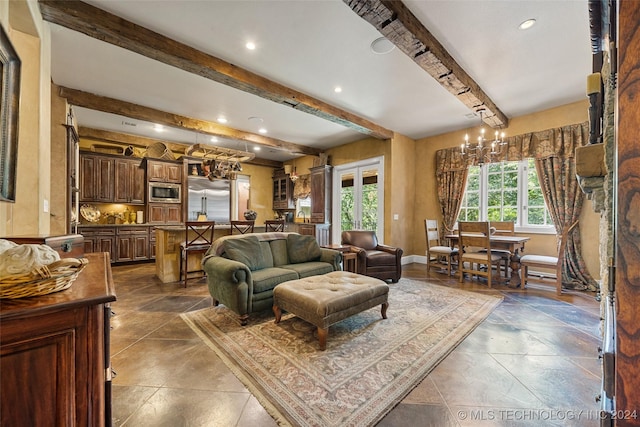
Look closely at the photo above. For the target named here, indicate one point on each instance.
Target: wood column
(627, 276)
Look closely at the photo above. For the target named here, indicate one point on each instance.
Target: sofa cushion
(265, 248)
(312, 268)
(302, 248)
(377, 258)
(279, 252)
(268, 278)
(247, 251)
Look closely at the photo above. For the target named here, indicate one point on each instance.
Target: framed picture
(9, 107)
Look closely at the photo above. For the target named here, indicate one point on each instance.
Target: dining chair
(242, 227)
(198, 238)
(474, 245)
(437, 254)
(503, 228)
(274, 225)
(541, 261)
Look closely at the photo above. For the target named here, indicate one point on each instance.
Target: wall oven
(162, 192)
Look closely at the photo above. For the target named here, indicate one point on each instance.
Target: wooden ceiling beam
(135, 111)
(99, 24)
(144, 142)
(396, 22)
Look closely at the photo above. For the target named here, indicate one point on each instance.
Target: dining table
(512, 243)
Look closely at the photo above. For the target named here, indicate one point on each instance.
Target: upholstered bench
(329, 298)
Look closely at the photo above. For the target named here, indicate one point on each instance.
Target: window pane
(536, 216)
(493, 214)
(473, 182)
(510, 198)
(495, 181)
(510, 214)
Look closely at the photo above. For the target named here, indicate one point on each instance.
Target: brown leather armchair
(375, 260)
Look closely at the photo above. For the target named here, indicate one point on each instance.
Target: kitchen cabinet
(99, 239)
(55, 359)
(129, 181)
(152, 243)
(164, 171)
(320, 194)
(164, 213)
(282, 191)
(132, 244)
(96, 178)
(322, 232)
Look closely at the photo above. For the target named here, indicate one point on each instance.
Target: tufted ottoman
(327, 299)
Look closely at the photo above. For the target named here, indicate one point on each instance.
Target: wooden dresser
(54, 353)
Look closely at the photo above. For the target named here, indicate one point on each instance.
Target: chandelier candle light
(482, 150)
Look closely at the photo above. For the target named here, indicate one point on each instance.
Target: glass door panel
(358, 198)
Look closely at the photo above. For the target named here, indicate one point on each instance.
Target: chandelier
(483, 151)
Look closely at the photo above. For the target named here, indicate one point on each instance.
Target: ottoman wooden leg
(278, 313)
(322, 337)
(383, 310)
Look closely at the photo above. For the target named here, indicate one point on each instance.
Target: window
(507, 191)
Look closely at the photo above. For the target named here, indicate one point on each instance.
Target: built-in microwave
(164, 192)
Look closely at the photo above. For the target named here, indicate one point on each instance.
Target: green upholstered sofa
(242, 270)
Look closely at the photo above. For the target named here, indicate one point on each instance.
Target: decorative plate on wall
(90, 213)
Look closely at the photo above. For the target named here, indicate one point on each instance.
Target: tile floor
(533, 361)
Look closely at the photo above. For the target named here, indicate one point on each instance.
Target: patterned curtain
(553, 151)
(564, 199)
(451, 178)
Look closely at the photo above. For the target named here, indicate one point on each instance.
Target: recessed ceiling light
(256, 148)
(382, 45)
(214, 139)
(255, 119)
(158, 128)
(525, 25)
(250, 45)
(337, 89)
(262, 130)
(222, 119)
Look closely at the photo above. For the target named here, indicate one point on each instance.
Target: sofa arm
(392, 250)
(229, 282)
(331, 256)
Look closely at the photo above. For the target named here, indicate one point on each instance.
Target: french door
(358, 197)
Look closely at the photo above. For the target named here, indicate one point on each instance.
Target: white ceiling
(313, 46)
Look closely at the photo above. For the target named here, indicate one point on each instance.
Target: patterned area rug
(370, 364)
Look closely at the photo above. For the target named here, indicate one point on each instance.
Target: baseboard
(409, 259)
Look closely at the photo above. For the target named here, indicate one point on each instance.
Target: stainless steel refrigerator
(210, 198)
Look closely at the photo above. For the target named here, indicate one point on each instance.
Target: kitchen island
(168, 239)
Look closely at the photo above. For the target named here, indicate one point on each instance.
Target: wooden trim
(135, 111)
(99, 24)
(396, 22)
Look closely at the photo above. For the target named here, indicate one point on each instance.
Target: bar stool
(202, 232)
(242, 227)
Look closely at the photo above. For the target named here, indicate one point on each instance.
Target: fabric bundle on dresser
(21, 259)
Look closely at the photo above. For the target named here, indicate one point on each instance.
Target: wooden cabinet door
(321, 194)
(122, 181)
(156, 213)
(155, 171)
(173, 173)
(88, 179)
(129, 184)
(307, 229)
(104, 179)
(164, 172)
(96, 178)
(138, 184)
(174, 213)
(162, 213)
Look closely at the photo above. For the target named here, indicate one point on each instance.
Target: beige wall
(30, 37)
